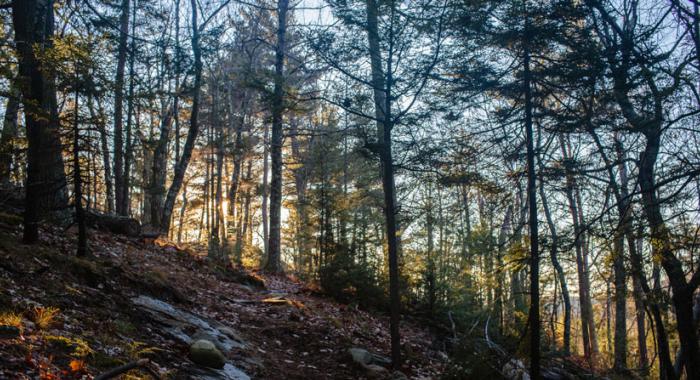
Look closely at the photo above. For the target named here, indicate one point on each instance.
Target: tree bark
(381, 84)
(193, 131)
(265, 209)
(118, 109)
(33, 23)
(642, 292)
(160, 167)
(104, 148)
(581, 262)
(620, 278)
(274, 264)
(82, 249)
(661, 247)
(9, 133)
(553, 255)
(534, 317)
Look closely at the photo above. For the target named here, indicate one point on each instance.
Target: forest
(360, 189)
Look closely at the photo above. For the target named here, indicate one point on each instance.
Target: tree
(274, 264)
(119, 181)
(33, 22)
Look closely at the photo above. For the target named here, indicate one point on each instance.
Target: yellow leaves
(75, 347)
(283, 301)
(140, 350)
(11, 319)
(77, 365)
(44, 316)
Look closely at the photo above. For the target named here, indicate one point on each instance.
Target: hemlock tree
(33, 23)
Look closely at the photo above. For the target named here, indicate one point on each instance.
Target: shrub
(347, 281)
(11, 319)
(44, 317)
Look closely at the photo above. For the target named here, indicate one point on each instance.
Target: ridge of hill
(76, 318)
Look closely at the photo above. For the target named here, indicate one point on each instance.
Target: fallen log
(121, 225)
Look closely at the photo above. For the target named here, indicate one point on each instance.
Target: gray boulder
(205, 353)
(360, 356)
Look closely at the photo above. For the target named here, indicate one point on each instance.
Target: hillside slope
(79, 318)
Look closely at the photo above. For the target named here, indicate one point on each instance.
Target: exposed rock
(115, 224)
(556, 374)
(375, 371)
(364, 357)
(178, 323)
(205, 353)
(515, 370)
(360, 356)
(380, 360)
(9, 332)
(372, 363)
(229, 372)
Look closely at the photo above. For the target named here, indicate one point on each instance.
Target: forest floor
(78, 318)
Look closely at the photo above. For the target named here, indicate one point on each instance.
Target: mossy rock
(10, 219)
(158, 284)
(205, 353)
(105, 361)
(69, 346)
(87, 270)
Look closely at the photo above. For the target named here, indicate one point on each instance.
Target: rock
(364, 357)
(375, 371)
(360, 356)
(228, 372)
(380, 360)
(181, 324)
(233, 373)
(205, 353)
(515, 370)
(9, 332)
(398, 375)
(115, 224)
(556, 374)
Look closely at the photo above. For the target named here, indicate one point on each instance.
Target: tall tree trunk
(104, 148)
(553, 256)
(176, 95)
(300, 183)
(181, 219)
(130, 117)
(33, 23)
(82, 250)
(9, 133)
(160, 167)
(274, 264)
(265, 210)
(147, 174)
(239, 123)
(193, 131)
(581, 267)
(620, 278)
(534, 317)
(642, 292)
(430, 270)
(502, 241)
(661, 247)
(381, 84)
(619, 271)
(118, 109)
